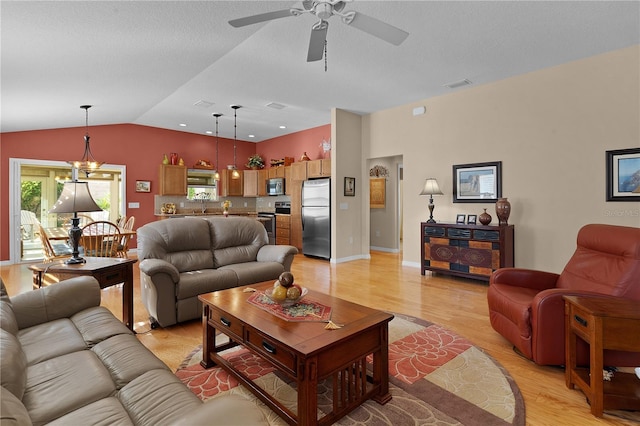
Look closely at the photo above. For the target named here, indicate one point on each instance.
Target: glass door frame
(15, 165)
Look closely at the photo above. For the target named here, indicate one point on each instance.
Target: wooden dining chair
(53, 251)
(122, 221)
(123, 247)
(100, 239)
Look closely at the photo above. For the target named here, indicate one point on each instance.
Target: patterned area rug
(436, 378)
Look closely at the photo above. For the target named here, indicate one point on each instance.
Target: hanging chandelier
(235, 174)
(216, 175)
(87, 164)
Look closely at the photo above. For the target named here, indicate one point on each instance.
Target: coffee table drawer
(272, 350)
(226, 323)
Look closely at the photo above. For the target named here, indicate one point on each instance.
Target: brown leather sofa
(527, 308)
(66, 360)
(181, 258)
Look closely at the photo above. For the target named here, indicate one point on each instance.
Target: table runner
(305, 310)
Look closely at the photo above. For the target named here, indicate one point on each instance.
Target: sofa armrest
(227, 410)
(277, 253)
(60, 300)
(528, 278)
(152, 267)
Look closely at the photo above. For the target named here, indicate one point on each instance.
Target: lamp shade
(431, 187)
(75, 197)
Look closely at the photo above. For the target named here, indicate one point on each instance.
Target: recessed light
(182, 125)
(252, 136)
(457, 84)
(283, 127)
(209, 132)
(276, 105)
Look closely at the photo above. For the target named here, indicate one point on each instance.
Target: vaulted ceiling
(166, 63)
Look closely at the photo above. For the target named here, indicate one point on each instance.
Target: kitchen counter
(207, 213)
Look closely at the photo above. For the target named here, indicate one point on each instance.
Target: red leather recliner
(527, 308)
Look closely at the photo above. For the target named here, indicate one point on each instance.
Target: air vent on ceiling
(457, 84)
(276, 105)
(203, 104)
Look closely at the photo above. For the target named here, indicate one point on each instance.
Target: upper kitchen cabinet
(277, 171)
(263, 175)
(287, 179)
(319, 168)
(299, 170)
(250, 183)
(230, 187)
(173, 180)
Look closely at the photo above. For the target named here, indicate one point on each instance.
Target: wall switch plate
(344, 206)
(133, 205)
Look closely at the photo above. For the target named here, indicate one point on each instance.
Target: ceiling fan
(324, 9)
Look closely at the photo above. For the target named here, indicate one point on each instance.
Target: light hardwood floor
(383, 283)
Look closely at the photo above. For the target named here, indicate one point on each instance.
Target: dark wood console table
(107, 270)
(470, 251)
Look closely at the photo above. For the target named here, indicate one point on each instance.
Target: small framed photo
(460, 218)
(349, 187)
(623, 171)
(143, 186)
(477, 183)
(471, 219)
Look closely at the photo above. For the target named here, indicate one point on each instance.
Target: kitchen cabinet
(287, 179)
(299, 170)
(263, 175)
(319, 168)
(470, 251)
(230, 187)
(283, 229)
(250, 183)
(173, 180)
(295, 225)
(275, 172)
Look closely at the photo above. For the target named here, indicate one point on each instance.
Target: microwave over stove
(275, 186)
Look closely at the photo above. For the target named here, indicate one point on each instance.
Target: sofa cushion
(50, 339)
(98, 324)
(183, 242)
(236, 239)
(13, 370)
(7, 316)
(12, 410)
(157, 397)
(58, 386)
(204, 281)
(126, 358)
(107, 412)
(254, 272)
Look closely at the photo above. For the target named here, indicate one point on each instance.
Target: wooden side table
(604, 323)
(107, 270)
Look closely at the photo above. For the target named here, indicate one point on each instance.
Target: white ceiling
(150, 62)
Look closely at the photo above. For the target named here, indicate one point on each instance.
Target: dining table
(62, 233)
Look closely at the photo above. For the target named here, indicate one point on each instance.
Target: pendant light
(87, 164)
(216, 175)
(235, 174)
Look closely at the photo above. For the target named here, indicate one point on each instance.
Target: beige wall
(550, 129)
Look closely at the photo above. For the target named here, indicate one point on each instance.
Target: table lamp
(431, 188)
(75, 198)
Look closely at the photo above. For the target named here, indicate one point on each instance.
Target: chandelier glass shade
(216, 175)
(87, 164)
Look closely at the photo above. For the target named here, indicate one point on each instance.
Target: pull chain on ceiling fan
(325, 9)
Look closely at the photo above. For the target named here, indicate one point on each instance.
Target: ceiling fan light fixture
(87, 164)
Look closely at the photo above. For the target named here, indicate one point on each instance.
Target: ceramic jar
(485, 218)
(503, 210)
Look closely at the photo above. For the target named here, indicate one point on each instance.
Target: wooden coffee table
(304, 351)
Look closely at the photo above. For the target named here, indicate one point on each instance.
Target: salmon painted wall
(140, 149)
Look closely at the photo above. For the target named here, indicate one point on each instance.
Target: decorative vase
(225, 212)
(165, 159)
(485, 218)
(305, 157)
(174, 158)
(503, 210)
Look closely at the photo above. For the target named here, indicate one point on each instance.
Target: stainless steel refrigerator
(316, 218)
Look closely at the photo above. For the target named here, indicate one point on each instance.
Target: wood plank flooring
(383, 283)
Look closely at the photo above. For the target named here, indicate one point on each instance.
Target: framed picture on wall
(477, 183)
(143, 186)
(349, 187)
(377, 193)
(623, 175)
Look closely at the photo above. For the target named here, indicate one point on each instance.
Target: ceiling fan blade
(316, 42)
(376, 28)
(262, 17)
